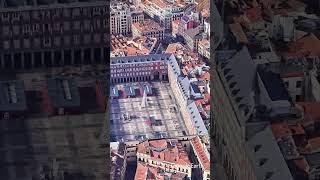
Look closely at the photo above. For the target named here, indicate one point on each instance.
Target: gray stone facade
(53, 35)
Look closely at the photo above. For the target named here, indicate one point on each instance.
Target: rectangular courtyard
(159, 119)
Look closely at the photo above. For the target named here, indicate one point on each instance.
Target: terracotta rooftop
(141, 172)
(160, 3)
(283, 129)
(147, 25)
(254, 14)
(200, 151)
(292, 74)
(301, 164)
(146, 172)
(170, 150)
(124, 46)
(280, 130)
(312, 109)
(308, 44)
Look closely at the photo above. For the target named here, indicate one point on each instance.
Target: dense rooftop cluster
(268, 64)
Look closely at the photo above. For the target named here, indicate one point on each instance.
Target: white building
(163, 11)
(120, 18)
(282, 28)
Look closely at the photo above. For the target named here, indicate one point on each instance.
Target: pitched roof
(307, 44)
(201, 153)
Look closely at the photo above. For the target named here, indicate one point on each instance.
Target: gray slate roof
(239, 73)
(267, 157)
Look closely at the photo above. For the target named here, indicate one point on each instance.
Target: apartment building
(241, 134)
(139, 68)
(204, 48)
(164, 11)
(137, 16)
(36, 34)
(120, 18)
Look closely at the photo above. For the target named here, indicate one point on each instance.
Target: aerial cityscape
(159, 104)
(159, 89)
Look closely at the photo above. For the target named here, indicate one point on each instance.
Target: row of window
(131, 74)
(57, 27)
(172, 168)
(134, 69)
(54, 14)
(298, 84)
(56, 41)
(120, 66)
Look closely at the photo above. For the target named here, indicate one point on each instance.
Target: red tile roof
(147, 172)
(147, 26)
(312, 109)
(283, 129)
(200, 151)
(280, 130)
(141, 172)
(174, 154)
(301, 164)
(254, 14)
(292, 74)
(308, 44)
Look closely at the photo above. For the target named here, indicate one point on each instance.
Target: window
(6, 30)
(6, 44)
(76, 12)
(66, 26)
(298, 98)
(57, 41)
(97, 38)
(36, 27)
(76, 25)
(286, 84)
(37, 42)
(47, 42)
(35, 15)
(298, 84)
(87, 38)
(16, 30)
(86, 24)
(66, 40)
(56, 27)
(66, 12)
(26, 43)
(16, 43)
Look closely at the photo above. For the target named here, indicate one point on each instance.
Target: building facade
(139, 68)
(54, 35)
(168, 155)
(120, 18)
(163, 11)
(204, 48)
